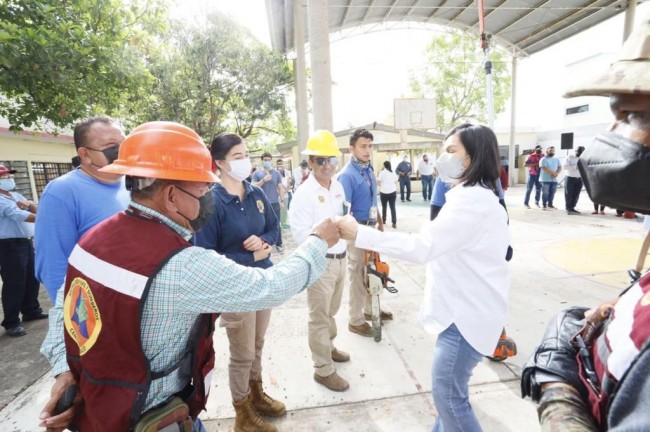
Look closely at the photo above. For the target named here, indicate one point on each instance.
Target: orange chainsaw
(377, 280)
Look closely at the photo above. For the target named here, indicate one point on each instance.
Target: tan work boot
(384, 316)
(340, 356)
(263, 403)
(363, 329)
(333, 382)
(247, 420)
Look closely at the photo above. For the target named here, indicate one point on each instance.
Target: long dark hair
(223, 143)
(388, 166)
(483, 149)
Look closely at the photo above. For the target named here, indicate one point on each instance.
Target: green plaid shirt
(195, 281)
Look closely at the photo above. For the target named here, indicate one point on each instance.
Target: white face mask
(7, 184)
(239, 169)
(450, 168)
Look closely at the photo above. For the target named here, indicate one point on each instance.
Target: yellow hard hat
(322, 143)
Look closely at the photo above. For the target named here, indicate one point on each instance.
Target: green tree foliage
(61, 60)
(217, 77)
(454, 73)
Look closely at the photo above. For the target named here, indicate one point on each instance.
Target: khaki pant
(246, 333)
(359, 297)
(324, 300)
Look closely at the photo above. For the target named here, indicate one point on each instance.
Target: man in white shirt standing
(321, 197)
(425, 171)
(573, 182)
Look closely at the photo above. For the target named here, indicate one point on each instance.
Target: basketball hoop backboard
(415, 113)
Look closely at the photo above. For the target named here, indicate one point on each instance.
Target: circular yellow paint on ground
(604, 260)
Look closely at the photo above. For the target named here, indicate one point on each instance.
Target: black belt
(16, 240)
(367, 222)
(336, 256)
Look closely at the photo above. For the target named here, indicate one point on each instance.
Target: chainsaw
(377, 279)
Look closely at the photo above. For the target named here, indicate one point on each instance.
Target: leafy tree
(61, 60)
(455, 75)
(217, 77)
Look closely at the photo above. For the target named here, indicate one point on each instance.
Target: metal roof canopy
(527, 26)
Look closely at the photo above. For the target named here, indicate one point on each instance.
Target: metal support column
(319, 53)
(512, 172)
(300, 75)
(630, 12)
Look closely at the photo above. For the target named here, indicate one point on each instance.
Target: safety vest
(623, 337)
(109, 276)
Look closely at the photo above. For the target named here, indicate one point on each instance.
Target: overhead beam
(492, 9)
(369, 8)
(345, 14)
(411, 9)
(436, 9)
(538, 5)
(463, 8)
(390, 9)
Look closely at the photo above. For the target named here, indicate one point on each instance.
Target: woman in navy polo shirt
(243, 228)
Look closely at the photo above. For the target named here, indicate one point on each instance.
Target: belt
(16, 240)
(336, 256)
(370, 222)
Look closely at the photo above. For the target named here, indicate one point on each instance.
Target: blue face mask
(7, 184)
(266, 164)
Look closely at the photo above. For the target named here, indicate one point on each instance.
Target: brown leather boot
(247, 420)
(263, 403)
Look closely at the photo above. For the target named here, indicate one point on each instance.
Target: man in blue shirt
(550, 168)
(360, 186)
(19, 286)
(79, 200)
(270, 180)
(404, 170)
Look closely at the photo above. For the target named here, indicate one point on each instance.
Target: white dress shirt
(387, 180)
(426, 168)
(468, 279)
(311, 204)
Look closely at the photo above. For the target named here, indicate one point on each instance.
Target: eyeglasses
(333, 161)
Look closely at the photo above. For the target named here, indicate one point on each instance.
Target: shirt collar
(179, 229)
(222, 193)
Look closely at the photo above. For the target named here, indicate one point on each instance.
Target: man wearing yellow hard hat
(132, 326)
(319, 197)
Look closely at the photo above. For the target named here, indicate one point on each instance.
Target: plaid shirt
(195, 281)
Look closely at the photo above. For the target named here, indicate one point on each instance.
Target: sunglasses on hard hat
(320, 161)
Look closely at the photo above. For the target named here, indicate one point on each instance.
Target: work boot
(363, 329)
(506, 347)
(263, 403)
(384, 316)
(247, 420)
(333, 382)
(340, 356)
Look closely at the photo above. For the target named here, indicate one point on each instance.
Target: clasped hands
(331, 230)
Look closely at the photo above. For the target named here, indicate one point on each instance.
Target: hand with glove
(554, 360)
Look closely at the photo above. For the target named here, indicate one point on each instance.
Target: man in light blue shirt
(19, 285)
(79, 200)
(270, 180)
(550, 169)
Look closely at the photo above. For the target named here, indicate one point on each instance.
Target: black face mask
(206, 209)
(616, 173)
(111, 153)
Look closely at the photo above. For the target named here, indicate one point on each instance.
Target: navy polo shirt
(235, 220)
(360, 188)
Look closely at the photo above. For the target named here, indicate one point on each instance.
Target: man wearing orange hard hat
(132, 331)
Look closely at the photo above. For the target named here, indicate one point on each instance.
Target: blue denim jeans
(427, 187)
(533, 181)
(453, 362)
(548, 192)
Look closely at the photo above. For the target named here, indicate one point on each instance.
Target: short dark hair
(303, 164)
(388, 166)
(266, 154)
(223, 143)
(360, 133)
(82, 128)
(482, 146)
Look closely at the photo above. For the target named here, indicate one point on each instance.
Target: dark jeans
(533, 180)
(405, 182)
(19, 285)
(389, 199)
(572, 188)
(276, 209)
(548, 192)
(427, 187)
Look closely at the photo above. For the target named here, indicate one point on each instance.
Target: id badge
(373, 213)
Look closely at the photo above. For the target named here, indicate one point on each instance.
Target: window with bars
(44, 172)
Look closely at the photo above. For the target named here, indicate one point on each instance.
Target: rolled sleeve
(53, 347)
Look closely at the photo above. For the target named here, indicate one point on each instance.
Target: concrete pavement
(559, 260)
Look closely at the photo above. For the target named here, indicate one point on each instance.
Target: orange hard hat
(164, 150)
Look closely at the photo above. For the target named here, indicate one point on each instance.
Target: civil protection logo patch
(81, 315)
(260, 205)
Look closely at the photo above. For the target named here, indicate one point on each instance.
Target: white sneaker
(280, 249)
